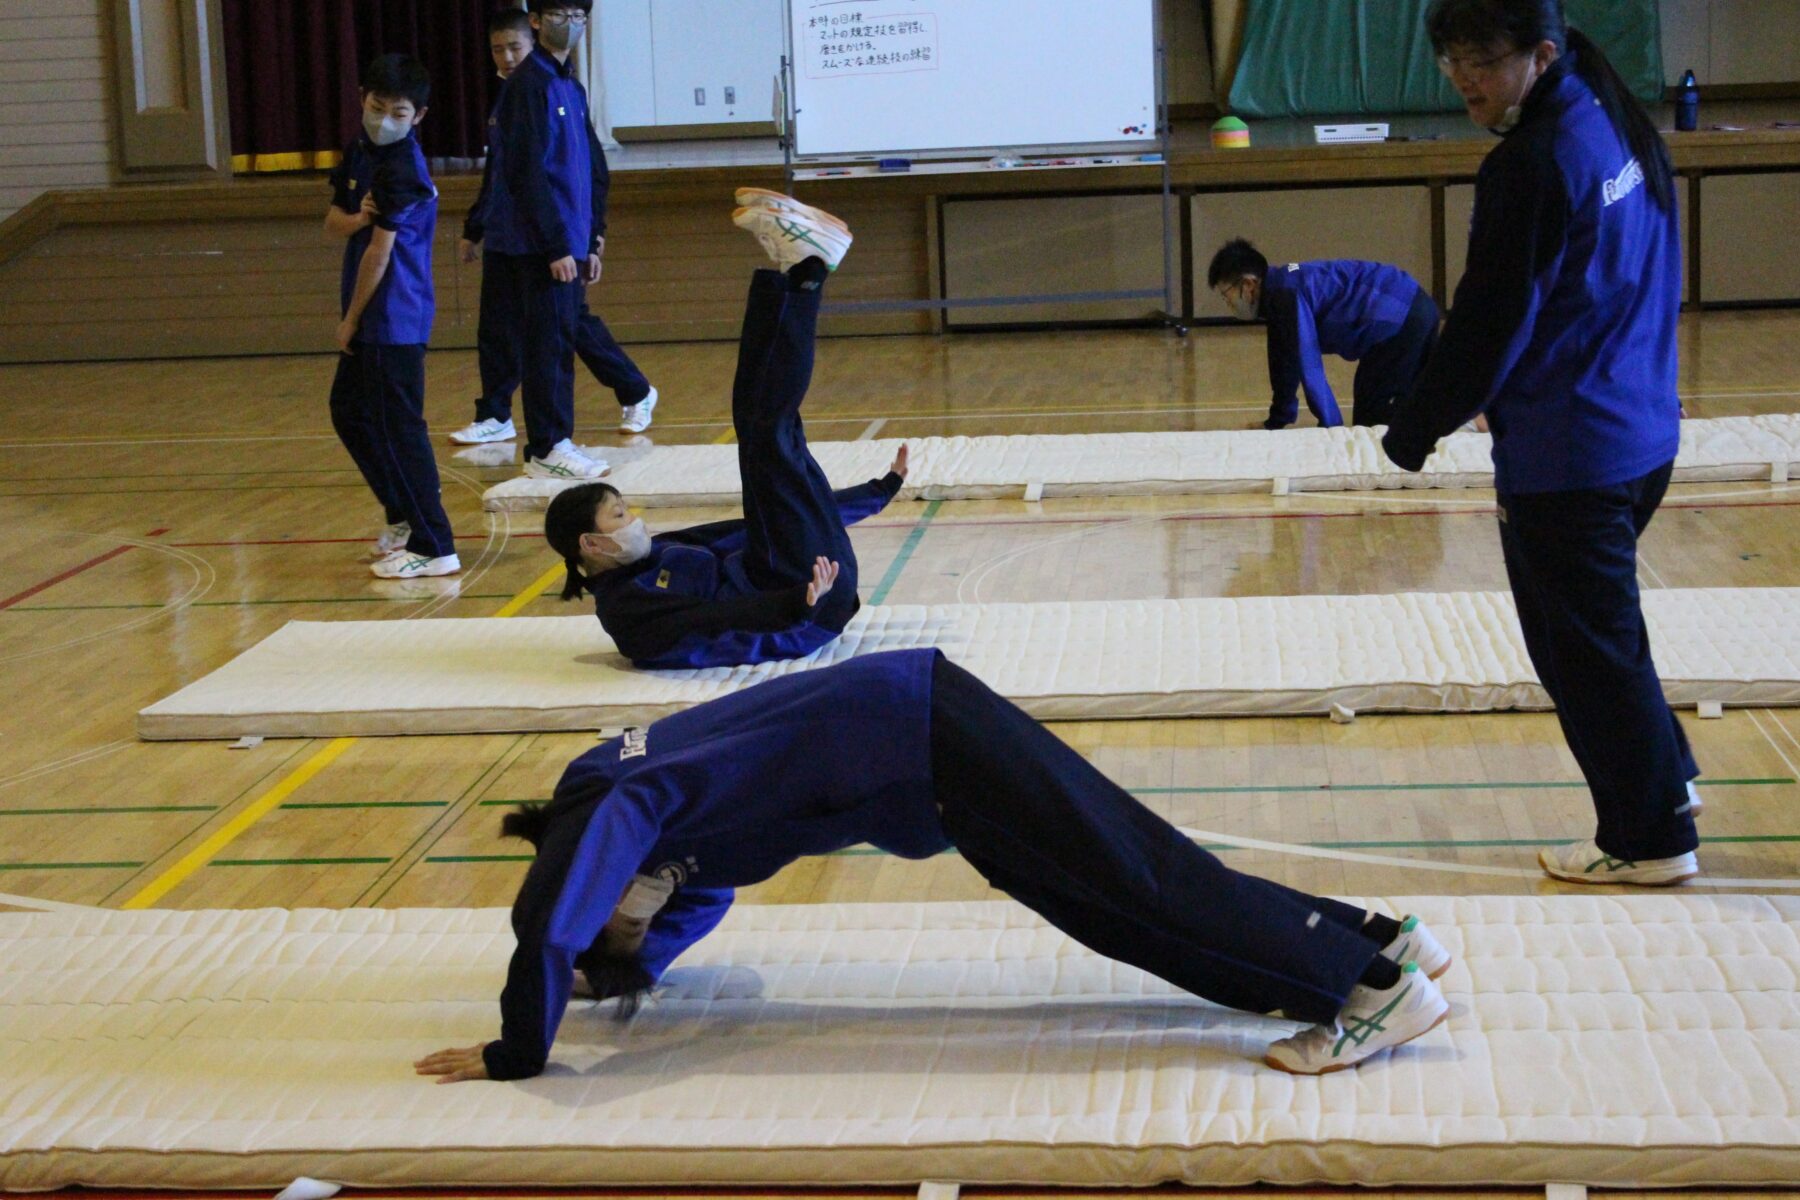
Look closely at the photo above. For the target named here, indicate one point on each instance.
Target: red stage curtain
(293, 66)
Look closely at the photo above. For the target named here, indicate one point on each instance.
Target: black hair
(1236, 259)
(398, 77)
(1522, 25)
(614, 978)
(586, 6)
(526, 822)
(569, 516)
(509, 20)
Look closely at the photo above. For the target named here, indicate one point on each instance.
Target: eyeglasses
(1469, 67)
(562, 18)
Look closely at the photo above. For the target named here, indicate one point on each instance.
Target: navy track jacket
(712, 799)
(1563, 330)
(403, 307)
(690, 604)
(550, 179)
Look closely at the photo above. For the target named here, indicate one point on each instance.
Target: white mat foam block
(1417, 652)
(1640, 1041)
(1133, 464)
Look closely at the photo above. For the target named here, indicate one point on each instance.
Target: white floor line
(1449, 868)
(1773, 744)
(73, 760)
(875, 427)
(33, 903)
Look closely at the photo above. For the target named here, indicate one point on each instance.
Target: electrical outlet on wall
(700, 97)
(731, 95)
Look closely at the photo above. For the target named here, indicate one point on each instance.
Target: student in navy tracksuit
(499, 337)
(647, 836)
(543, 227)
(384, 205)
(1563, 332)
(1372, 314)
(781, 582)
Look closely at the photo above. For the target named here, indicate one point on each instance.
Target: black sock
(808, 276)
(1381, 930)
(1381, 974)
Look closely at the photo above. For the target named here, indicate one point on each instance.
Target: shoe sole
(764, 198)
(558, 477)
(847, 237)
(1592, 881)
(1270, 1060)
(486, 441)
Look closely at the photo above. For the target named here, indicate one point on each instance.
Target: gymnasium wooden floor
(164, 516)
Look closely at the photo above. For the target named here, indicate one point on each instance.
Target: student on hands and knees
(647, 837)
(385, 206)
(1370, 313)
(511, 40)
(781, 582)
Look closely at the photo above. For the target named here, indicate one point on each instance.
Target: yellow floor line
(272, 799)
(726, 438)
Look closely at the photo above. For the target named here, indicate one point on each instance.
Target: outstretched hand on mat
(454, 1066)
(825, 573)
(899, 466)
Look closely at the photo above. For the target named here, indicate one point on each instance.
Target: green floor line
(478, 858)
(193, 475)
(299, 862)
(273, 487)
(123, 810)
(907, 548)
(356, 804)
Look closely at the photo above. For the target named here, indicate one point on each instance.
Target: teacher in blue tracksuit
(647, 837)
(1563, 333)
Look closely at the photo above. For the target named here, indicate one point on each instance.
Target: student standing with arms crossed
(511, 41)
(383, 203)
(543, 229)
(1563, 332)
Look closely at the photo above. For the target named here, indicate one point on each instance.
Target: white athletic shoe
(402, 565)
(1416, 943)
(484, 431)
(786, 205)
(791, 237)
(566, 461)
(393, 538)
(635, 418)
(1371, 1021)
(1586, 862)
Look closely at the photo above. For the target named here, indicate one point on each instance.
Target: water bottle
(1687, 104)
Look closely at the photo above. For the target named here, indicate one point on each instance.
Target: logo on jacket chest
(678, 872)
(635, 744)
(1628, 181)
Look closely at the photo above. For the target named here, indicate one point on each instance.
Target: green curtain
(1338, 57)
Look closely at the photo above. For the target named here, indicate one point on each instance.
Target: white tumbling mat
(1135, 464)
(1094, 660)
(1643, 1041)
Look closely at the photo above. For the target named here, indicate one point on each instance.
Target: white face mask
(633, 542)
(385, 131)
(1242, 307)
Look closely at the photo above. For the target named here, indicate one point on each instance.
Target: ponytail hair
(1522, 25)
(1629, 117)
(570, 515)
(528, 822)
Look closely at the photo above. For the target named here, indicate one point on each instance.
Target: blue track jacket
(403, 307)
(1564, 328)
(712, 799)
(1336, 306)
(548, 172)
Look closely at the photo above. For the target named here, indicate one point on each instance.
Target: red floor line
(47, 584)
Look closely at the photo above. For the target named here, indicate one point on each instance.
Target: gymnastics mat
(1631, 1042)
(1093, 660)
(1150, 464)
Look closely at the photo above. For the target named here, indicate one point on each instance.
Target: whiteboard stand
(788, 114)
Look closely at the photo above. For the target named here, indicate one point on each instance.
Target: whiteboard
(875, 76)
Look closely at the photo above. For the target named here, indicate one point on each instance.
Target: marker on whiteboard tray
(894, 164)
(829, 174)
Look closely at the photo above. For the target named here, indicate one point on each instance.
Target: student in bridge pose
(647, 836)
(1563, 333)
(781, 582)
